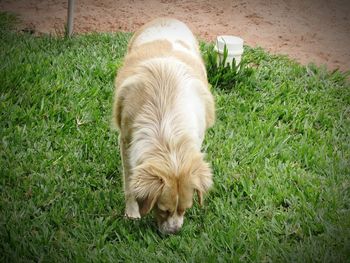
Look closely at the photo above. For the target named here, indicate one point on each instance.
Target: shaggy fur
(162, 108)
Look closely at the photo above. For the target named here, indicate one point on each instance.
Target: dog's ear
(123, 105)
(146, 205)
(147, 186)
(201, 178)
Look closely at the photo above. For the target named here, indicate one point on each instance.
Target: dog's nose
(174, 229)
(170, 230)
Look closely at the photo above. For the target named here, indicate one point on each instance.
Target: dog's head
(168, 186)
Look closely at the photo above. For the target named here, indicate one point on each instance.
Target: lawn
(279, 152)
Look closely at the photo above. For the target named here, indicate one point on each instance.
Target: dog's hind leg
(131, 205)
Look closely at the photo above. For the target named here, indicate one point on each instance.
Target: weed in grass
(223, 75)
(280, 152)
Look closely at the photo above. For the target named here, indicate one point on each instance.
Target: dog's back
(172, 30)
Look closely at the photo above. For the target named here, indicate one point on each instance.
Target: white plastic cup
(234, 47)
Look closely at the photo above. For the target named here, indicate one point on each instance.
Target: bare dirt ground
(307, 30)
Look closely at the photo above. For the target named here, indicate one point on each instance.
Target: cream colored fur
(162, 108)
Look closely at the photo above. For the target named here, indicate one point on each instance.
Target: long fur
(163, 107)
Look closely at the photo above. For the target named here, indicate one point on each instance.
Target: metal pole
(70, 20)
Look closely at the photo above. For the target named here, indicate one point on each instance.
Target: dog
(162, 108)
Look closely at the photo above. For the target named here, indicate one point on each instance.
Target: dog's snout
(174, 229)
(170, 227)
(170, 230)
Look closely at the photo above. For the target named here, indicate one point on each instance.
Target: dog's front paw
(132, 214)
(132, 210)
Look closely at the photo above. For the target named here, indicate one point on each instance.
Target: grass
(279, 151)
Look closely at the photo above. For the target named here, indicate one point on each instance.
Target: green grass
(279, 151)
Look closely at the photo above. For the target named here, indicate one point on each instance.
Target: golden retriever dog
(162, 108)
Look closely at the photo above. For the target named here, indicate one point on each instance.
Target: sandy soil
(307, 30)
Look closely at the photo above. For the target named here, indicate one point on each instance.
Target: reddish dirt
(309, 31)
